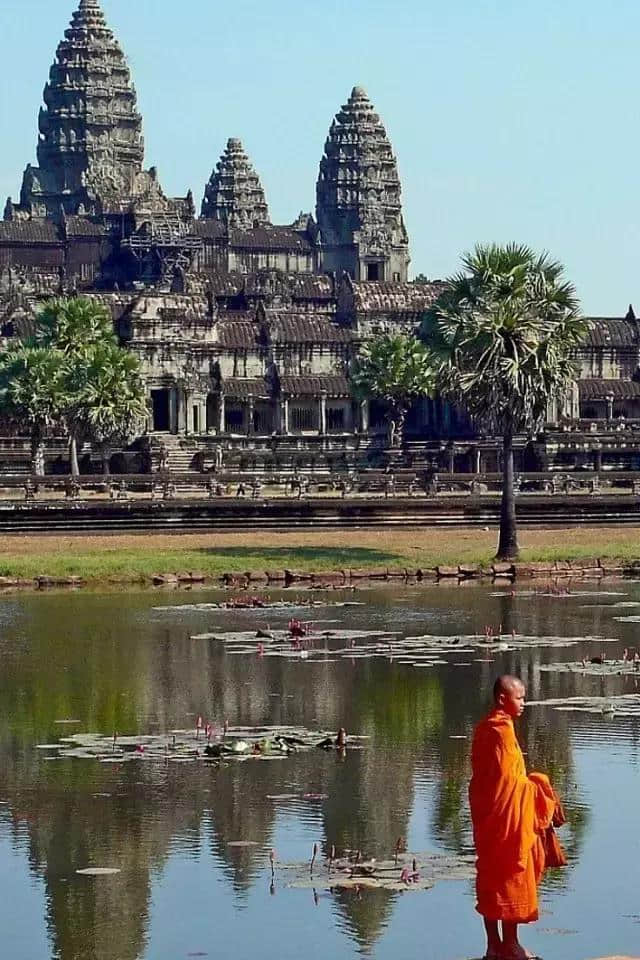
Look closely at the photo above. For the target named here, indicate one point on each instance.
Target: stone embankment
(584, 569)
(234, 514)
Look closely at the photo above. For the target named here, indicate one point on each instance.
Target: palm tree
(107, 401)
(396, 368)
(506, 330)
(73, 326)
(70, 372)
(32, 394)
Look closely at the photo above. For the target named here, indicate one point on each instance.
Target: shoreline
(335, 558)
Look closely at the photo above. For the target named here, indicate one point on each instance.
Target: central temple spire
(90, 148)
(359, 209)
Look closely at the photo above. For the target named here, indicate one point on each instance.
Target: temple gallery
(246, 329)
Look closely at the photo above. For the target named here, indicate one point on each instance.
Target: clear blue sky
(511, 119)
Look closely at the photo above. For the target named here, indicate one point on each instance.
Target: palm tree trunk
(37, 455)
(73, 455)
(402, 416)
(508, 546)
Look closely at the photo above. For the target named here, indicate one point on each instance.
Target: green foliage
(31, 388)
(505, 331)
(73, 325)
(71, 375)
(106, 397)
(394, 367)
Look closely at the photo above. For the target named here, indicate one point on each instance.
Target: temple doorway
(373, 271)
(160, 402)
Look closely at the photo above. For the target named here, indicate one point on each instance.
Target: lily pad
(410, 872)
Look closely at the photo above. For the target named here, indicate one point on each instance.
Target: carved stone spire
(359, 207)
(234, 193)
(90, 148)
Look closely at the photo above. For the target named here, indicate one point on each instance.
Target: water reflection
(115, 664)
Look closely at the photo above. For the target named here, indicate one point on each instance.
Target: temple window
(302, 418)
(234, 420)
(335, 418)
(373, 271)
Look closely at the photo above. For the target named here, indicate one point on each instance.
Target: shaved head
(506, 684)
(509, 695)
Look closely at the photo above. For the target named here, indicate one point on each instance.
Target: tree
(73, 325)
(505, 330)
(71, 373)
(32, 394)
(396, 368)
(106, 398)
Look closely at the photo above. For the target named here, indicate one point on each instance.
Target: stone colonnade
(191, 412)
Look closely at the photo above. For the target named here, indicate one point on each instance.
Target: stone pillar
(609, 406)
(221, 413)
(348, 418)
(188, 413)
(478, 459)
(251, 407)
(323, 413)
(181, 412)
(173, 410)
(203, 416)
(364, 416)
(451, 451)
(598, 458)
(284, 415)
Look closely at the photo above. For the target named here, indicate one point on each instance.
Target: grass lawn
(133, 557)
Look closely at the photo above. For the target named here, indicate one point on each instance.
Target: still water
(114, 661)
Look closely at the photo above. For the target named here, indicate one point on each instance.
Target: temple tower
(90, 148)
(359, 208)
(234, 193)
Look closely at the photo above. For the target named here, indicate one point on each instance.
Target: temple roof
(240, 388)
(237, 334)
(302, 328)
(84, 227)
(306, 286)
(267, 237)
(28, 232)
(210, 229)
(333, 386)
(612, 332)
(234, 193)
(370, 297)
(600, 389)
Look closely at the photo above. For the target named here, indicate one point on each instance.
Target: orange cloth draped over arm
(510, 812)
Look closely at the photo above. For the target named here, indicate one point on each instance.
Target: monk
(511, 813)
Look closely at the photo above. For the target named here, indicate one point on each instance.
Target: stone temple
(246, 329)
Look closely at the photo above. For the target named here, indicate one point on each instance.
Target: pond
(192, 842)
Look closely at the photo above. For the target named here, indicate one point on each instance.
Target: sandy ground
(408, 543)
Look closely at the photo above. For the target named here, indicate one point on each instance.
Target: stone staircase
(180, 452)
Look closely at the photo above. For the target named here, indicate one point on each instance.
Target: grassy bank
(138, 557)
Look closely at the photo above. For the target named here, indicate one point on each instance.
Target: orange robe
(510, 812)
